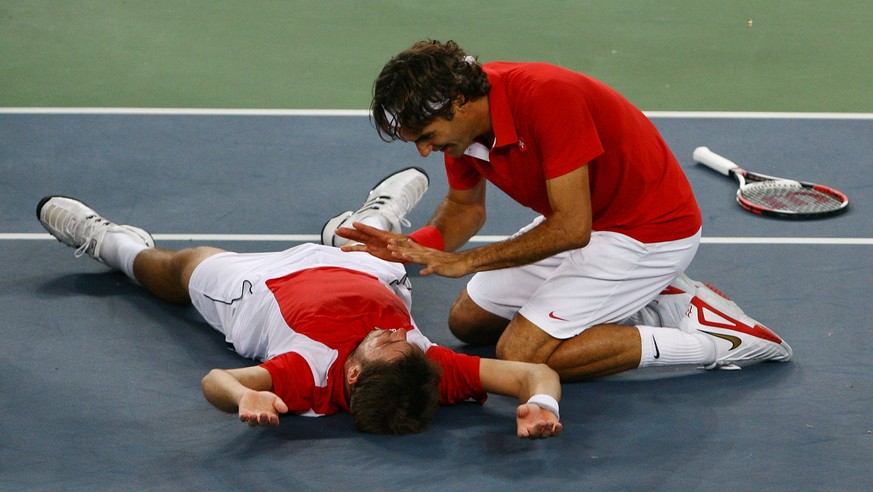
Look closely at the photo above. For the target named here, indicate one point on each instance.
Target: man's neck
(480, 117)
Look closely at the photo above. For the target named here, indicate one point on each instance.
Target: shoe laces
(88, 229)
(396, 206)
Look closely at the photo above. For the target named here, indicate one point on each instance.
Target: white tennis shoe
(668, 309)
(739, 340)
(79, 226)
(392, 198)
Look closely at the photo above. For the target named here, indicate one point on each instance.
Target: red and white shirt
(327, 311)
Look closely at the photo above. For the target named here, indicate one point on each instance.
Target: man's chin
(451, 152)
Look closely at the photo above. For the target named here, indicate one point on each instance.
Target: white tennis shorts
(605, 282)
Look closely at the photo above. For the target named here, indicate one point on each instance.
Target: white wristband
(546, 402)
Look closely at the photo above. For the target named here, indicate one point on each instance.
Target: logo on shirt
(404, 281)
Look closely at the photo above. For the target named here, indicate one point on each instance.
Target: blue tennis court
(101, 383)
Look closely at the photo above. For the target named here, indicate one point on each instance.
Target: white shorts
(229, 290)
(607, 281)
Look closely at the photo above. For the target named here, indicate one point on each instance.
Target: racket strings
(789, 196)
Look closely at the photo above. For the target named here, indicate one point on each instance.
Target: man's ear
(458, 102)
(353, 372)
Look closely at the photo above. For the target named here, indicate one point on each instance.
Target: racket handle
(713, 161)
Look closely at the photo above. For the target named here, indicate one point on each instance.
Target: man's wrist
(546, 402)
(429, 237)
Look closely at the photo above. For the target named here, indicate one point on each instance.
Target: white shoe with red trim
(668, 309)
(739, 340)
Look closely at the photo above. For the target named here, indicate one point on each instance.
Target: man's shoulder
(520, 69)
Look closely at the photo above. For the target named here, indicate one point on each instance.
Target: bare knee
(472, 324)
(523, 341)
(186, 260)
(166, 273)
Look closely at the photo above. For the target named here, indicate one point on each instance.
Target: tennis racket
(776, 197)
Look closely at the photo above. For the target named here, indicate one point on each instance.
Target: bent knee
(525, 342)
(186, 260)
(472, 324)
(507, 349)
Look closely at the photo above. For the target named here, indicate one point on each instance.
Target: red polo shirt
(549, 121)
(329, 310)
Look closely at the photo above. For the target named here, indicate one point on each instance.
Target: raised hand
(370, 240)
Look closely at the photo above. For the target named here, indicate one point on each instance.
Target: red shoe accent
(759, 330)
(670, 290)
(712, 288)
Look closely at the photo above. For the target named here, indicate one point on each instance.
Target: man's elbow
(210, 385)
(569, 231)
(580, 237)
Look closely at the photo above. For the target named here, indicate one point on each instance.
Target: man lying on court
(333, 329)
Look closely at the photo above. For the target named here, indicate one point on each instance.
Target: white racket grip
(713, 161)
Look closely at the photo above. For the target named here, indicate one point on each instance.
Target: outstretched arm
(568, 227)
(246, 391)
(537, 388)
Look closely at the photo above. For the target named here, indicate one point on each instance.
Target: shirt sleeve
(460, 380)
(292, 381)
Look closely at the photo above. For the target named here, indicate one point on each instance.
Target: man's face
(384, 344)
(441, 135)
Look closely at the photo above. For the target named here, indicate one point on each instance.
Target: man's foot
(77, 225)
(739, 340)
(668, 309)
(393, 198)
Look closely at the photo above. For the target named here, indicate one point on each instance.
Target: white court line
(364, 112)
(190, 111)
(300, 238)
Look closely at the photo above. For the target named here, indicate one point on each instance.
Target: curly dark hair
(395, 397)
(420, 83)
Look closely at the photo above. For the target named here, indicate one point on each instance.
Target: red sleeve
(292, 381)
(460, 381)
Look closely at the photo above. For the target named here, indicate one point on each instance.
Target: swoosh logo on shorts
(554, 316)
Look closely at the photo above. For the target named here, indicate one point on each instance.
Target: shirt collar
(501, 114)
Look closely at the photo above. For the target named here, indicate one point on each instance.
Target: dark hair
(420, 83)
(396, 397)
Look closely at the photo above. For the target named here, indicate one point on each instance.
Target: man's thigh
(611, 278)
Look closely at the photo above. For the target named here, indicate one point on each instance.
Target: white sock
(118, 250)
(665, 311)
(647, 316)
(671, 347)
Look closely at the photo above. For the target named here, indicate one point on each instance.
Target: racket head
(789, 199)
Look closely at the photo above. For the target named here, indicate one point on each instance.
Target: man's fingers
(354, 247)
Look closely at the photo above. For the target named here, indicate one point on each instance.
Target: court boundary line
(300, 238)
(364, 112)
